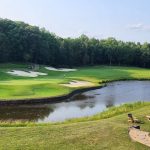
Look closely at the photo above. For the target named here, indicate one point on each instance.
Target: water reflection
(24, 113)
(82, 96)
(85, 104)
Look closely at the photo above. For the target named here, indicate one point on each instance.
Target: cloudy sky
(127, 20)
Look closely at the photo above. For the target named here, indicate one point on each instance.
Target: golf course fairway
(104, 131)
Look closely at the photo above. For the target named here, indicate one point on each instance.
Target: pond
(80, 105)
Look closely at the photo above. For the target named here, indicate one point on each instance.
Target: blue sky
(127, 20)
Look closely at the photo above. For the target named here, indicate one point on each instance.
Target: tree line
(23, 43)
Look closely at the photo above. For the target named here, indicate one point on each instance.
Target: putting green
(16, 87)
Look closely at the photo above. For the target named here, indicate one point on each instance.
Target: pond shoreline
(62, 98)
(49, 100)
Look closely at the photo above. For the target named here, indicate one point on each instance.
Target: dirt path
(140, 136)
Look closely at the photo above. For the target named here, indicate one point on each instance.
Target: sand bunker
(26, 74)
(60, 69)
(140, 136)
(75, 83)
(51, 68)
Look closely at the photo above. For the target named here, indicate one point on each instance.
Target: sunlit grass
(14, 87)
(11, 92)
(112, 111)
(106, 130)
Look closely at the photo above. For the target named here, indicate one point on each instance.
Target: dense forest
(23, 43)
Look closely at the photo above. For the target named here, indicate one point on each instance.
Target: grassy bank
(14, 87)
(108, 113)
(104, 131)
(108, 130)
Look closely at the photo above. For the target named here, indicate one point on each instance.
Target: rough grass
(13, 87)
(105, 131)
(111, 112)
(102, 134)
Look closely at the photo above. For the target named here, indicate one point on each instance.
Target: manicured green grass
(30, 91)
(105, 131)
(13, 87)
(109, 134)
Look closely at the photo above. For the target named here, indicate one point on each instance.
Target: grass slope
(105, 131)
(13, 87)
(102, 134)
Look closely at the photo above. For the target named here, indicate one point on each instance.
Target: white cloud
(139, 27)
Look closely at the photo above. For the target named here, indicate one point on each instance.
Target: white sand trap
(51, 68)
(60, 69)
(66, 69)
(140, 136)
(75, 83)
(26, 74)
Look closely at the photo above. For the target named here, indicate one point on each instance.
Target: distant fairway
(106, 130)
(16, 87)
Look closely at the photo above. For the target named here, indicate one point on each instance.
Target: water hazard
(85, 104)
